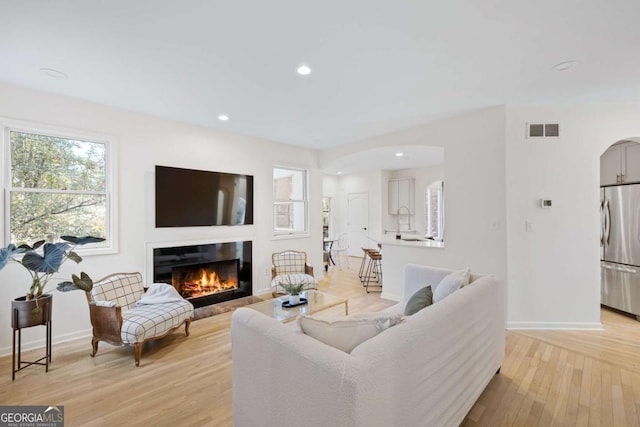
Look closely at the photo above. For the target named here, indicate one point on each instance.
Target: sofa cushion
(451, 283)
(419, 300)
(347, 334)
(148, 321)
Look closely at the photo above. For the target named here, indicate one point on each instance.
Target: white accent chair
(290, 266)
(340, 250)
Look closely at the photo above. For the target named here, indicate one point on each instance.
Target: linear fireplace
(206, 274)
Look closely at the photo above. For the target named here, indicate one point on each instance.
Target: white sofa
(426, 371)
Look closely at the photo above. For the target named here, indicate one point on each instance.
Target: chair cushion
(124, 289)
(148, 321)
(293, 278)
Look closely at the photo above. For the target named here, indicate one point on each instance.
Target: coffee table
(316, 301)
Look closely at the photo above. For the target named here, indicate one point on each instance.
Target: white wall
(554, 274)
(474, 172)
(143, 142)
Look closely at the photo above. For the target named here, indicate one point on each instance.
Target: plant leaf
(82, 240)
(7, 253)
(83, 282)
(49, 262)
(35, 246)
(73, 256)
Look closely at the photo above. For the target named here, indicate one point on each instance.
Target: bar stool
(363, 264)
(374, 271)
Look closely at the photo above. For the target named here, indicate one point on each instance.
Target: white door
(358, 217)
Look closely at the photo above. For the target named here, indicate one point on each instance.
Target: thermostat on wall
(545, 203)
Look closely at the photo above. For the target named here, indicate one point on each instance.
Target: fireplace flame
(207, 282)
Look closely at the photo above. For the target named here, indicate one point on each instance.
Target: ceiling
(377, 66)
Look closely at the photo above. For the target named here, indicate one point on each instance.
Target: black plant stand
(18, 323)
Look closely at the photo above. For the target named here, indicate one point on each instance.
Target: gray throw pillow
(421, 299)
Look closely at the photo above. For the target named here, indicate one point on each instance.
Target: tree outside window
(56, 186)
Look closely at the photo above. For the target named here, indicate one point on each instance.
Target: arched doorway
(620, 226)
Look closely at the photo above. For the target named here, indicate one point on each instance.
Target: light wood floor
(548, 377)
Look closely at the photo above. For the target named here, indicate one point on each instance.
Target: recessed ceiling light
(304, 70)
(223, 117)
(565, 65)
(339, 172)
(50, 72)
(399, 154)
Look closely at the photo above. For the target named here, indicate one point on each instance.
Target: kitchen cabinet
(620, 164)
(402, 195)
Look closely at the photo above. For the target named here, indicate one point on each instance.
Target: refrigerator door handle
(601, 222)
(607, 221)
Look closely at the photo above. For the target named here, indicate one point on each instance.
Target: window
(435, 210)
(289, 201)
(55, 184)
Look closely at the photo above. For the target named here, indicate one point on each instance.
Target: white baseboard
(261, 292)
(578, 326)
(36, 344)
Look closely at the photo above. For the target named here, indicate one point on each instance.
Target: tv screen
(193, 198)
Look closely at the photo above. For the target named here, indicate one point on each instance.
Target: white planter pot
(294, 299)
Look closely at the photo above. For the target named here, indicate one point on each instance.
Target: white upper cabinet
(402, 196)
(630, 162)
(620, 164)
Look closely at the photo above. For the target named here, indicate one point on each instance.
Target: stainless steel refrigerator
(620, 247)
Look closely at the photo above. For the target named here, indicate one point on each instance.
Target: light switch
(528, 226)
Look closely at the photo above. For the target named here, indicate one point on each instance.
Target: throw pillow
(451, 283)
(347, 334)
(421, 299)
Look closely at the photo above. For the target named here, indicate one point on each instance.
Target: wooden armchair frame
(308, 269)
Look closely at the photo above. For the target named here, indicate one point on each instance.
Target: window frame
(279, 233)
(439, 187)
(110, 191)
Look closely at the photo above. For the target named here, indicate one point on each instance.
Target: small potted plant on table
(293, 288)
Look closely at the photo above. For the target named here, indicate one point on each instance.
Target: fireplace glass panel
(205, 279)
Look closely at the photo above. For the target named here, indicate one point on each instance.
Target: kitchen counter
(411, 241)
(396, 253)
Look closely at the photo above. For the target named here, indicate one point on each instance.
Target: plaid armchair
(290, 266)
(118, 320)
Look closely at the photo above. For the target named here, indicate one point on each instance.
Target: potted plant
(293, 288)
(42, 260)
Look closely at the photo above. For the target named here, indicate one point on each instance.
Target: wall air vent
(543, 130)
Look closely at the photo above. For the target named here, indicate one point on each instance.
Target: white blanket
(160, 293)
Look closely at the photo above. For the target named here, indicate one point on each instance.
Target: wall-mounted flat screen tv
(194, 198)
